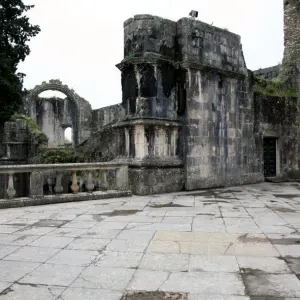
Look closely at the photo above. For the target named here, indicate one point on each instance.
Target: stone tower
(291, 59)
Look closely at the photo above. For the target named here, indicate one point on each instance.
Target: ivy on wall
(273, 87)
(39, 136)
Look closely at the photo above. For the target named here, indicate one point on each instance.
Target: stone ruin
(190, 116)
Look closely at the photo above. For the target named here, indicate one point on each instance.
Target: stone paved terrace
(238, 243)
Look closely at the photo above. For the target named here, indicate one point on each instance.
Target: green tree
(15, 33)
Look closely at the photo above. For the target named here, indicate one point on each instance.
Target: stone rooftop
(240, 243)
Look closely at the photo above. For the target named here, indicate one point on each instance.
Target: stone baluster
(74, 186)
(11, 192)
(58, 189)
(90, 186)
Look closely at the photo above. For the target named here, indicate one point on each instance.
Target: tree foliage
(15, 33)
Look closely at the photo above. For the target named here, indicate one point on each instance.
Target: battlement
(186, 41)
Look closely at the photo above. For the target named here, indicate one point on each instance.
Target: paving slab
(289, 250)
(219, 297)
(52, 242)
(90, 294)
(74, 257)
(119, 259)
(68, 232)
(7, 249)
(14, 270)
(165, 262)
(213, 264)
(32, 254)
(4, 285)
(205, 283)
(50, 274)
(270, 265)
(16, 239)
(21, 292)
(10, 228)
(104, 278)
(99, 233)
(294, 264)
(88, 244)
(32, 230)
(279, 285)
(145, 280)
(127, 245)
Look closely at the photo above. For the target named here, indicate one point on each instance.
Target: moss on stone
(273, 87)
(56, 156)
(40, 137)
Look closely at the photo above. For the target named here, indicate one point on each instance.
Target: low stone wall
(147, 181)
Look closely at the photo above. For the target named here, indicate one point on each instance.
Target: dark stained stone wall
(278, 117)
(147, 33)
(219, 132)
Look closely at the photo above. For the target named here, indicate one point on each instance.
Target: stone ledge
(21, 202)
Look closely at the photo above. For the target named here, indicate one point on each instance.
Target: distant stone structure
(191, 116)
(53, 116)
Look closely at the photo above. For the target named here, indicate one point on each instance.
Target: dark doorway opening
(270, 156)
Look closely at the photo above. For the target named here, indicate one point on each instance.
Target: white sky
(81, 41)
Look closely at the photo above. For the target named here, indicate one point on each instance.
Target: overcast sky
(81, 41)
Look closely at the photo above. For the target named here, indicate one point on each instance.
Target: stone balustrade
(37, 177)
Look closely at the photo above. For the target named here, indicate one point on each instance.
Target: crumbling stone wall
(106, 115)
(20, 143)
(104, 145)
(54, 116)
(268, 73)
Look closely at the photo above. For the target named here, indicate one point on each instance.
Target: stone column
(104, 184)
(74, 186)
(122, 178)
(11, 192)
(36, 184)
(90, 186)
(58, 189)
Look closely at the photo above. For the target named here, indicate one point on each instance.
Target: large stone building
(192, 115)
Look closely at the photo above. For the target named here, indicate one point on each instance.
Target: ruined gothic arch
(56, 85)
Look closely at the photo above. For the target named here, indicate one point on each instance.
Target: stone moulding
(59, 167)
(21, 202)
